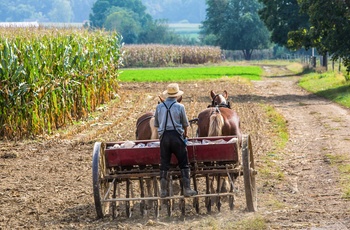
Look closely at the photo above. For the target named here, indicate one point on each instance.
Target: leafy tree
(99, 13)
(11, 11)
(125, 22)
(281, 17)
(159, 32)
(174, 11)
(156, 33)
(334, 28)
(61, 11)
(58, 11)
(130, 19)
(236, 25)
(101, 9)
(21, 11)
(81, 9)
(329, 29)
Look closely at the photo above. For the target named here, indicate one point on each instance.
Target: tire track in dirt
(312, 194)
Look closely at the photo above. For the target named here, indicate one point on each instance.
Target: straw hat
(172, 90)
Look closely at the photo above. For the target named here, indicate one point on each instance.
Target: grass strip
(189, 73)
(342, 163)
(280, 137)
(330, 85)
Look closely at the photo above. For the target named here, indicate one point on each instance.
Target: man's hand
(185, 133)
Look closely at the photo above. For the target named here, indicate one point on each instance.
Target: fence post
(325, 60)
(313, 61)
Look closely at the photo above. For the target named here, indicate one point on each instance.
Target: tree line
(77, 11)
(322, 24)
(293, 24)
(45, 11)
(242, 25)
(245, 25)
(131, 20)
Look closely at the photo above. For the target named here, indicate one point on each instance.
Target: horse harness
(216, 110)
(143, 120)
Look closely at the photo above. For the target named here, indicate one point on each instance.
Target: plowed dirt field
(47, 183)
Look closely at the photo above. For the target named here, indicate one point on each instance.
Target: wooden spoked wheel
(99, 183)
(249, 174)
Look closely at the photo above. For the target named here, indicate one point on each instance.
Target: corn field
(50, 78)
(168, 55)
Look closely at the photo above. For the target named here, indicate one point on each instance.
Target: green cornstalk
(49, 77)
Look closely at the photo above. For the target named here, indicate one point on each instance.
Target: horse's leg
(154, 131)
(213, 186)
(225, 185)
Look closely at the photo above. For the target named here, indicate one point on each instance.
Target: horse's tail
(216, 123)
(154, 131)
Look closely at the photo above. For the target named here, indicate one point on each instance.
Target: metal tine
(109, 190)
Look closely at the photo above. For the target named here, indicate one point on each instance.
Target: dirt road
(46, 183)
(317, 127)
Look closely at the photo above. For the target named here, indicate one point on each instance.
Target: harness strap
(143, 120)
(216, 110)
(168, 113)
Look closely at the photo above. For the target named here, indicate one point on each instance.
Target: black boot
(163, 184)
(185, 173)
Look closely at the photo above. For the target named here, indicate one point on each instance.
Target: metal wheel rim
(100, 185)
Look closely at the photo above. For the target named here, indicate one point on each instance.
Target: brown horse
(145, 129)
(218, 119)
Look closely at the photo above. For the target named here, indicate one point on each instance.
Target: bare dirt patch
(46, 183)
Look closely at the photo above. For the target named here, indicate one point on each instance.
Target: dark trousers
(171, 142)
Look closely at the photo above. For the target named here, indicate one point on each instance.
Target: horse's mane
(216, 122)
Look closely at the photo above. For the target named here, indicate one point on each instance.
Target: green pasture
(185, 28)
(189, 73)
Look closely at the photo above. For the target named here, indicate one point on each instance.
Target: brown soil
(47, 183)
